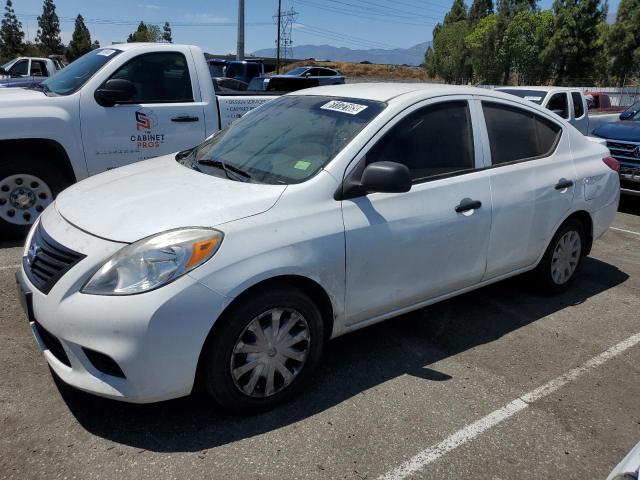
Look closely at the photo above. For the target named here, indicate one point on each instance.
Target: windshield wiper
(39, 86)
(225, 167)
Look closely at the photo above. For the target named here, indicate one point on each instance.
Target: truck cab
(27, 71)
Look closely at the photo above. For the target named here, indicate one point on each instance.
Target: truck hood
(10, 97)
(145, 198)
(628, 130)
(18, 82)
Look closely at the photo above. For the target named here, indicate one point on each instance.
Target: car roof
(385, 92)
(542, 89)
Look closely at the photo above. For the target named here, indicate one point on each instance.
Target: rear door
(165, 116)
(532, 177)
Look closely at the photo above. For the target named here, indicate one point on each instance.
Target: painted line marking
(469, 432)
(625, 231)
(10, 267)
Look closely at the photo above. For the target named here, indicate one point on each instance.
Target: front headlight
(154, 261)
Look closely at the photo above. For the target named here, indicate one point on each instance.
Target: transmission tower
(286, 19)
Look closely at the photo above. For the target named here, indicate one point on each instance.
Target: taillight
(612, 163)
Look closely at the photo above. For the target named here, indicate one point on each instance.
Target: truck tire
(27, 186)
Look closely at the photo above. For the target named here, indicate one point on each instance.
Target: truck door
(165, 115)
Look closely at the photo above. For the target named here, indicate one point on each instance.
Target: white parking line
(625, 231)
(469, 432)
(10, 267)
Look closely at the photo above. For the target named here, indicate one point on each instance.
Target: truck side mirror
(115, 91)
(387, 177)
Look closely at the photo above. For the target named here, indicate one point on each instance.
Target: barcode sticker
(533, 99)
(344, 107)
(107, 52)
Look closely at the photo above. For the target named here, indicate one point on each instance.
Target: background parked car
(630, 112)
(325, 76)
(28, 71)
(228, 85)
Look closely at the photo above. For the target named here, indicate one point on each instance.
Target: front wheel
(562, 259)
(263, 350)
(27, 187)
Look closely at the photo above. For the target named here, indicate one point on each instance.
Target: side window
(327, 73)
(434, 140)
(38, 68)
(20, 68)
(578, 107)
(516, 134)
(558, 104)
(158, 77)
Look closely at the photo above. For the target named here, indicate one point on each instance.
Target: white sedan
(232, 264)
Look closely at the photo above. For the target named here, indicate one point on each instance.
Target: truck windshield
(535, 96)
(285, 141)
(75, 75)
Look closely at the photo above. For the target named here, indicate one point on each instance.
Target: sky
(211, 24)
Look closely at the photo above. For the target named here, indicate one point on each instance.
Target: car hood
(628, 130)
(133, 202)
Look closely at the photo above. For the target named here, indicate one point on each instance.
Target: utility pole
(278, 41)
(240, 47)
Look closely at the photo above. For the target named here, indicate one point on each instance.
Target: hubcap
(270, 352)
(22, 198)
(565, 257)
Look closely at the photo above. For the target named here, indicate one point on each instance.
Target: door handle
(562, 184)
(184, 119)
(466, 205)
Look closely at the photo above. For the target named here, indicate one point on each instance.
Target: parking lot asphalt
(444, 392)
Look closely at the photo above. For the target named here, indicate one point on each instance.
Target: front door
(405, 248)
(165, 115)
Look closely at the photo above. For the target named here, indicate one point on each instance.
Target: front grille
(47, 260)
(627, 153)
(53, 344)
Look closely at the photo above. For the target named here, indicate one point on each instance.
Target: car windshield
(75, 75)
(8, 65)
(285, 141)
(535, 96)
(297, 71)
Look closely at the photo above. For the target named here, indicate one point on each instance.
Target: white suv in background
(321, 212)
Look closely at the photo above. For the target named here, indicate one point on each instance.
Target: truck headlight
(154, 261)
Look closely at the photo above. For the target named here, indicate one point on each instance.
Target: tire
(225, 351)
(31, 181)
(547, 276)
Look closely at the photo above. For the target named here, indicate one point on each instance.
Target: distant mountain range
(399, 56)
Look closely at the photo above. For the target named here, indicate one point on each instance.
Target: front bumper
(155, 338)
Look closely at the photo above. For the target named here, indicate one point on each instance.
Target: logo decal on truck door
(146, 138)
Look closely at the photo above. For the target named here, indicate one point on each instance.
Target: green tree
(11, 34)
(574, 45)
(48, 38)
(524, 42)
(450, 56)
(485, 49)
(80, 40)
(146, 33)
(624, 41)
(457, 13)
(479, 10)
(166, 33)
(429, 63)
(95, 44)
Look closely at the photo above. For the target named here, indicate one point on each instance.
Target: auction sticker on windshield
(344, 107)
(107, 52)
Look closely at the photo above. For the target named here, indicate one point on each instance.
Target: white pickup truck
(109, 108)
(568, 103)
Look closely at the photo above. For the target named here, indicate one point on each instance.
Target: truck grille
(47, 260)
(627, 153)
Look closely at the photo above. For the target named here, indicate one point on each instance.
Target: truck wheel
(27, 186)
(262, 351)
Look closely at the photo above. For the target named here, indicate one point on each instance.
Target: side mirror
(387, 177)
(3, 71)
(115, 91)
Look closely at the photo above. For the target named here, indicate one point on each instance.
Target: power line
(360, 15)
(438, 11)
(104, 21)
(319, 31)
(377, 11)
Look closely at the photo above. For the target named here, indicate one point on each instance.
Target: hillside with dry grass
(361, 71)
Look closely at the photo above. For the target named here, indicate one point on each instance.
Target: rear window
(535, 96)
(516, 134)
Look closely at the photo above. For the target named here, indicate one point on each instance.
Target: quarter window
(558, 104)
(517, 134)
(158, 77)
(434, 140)
(578, 108)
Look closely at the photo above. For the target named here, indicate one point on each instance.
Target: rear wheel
(27, 186)
(562, 259)
(263, 350)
